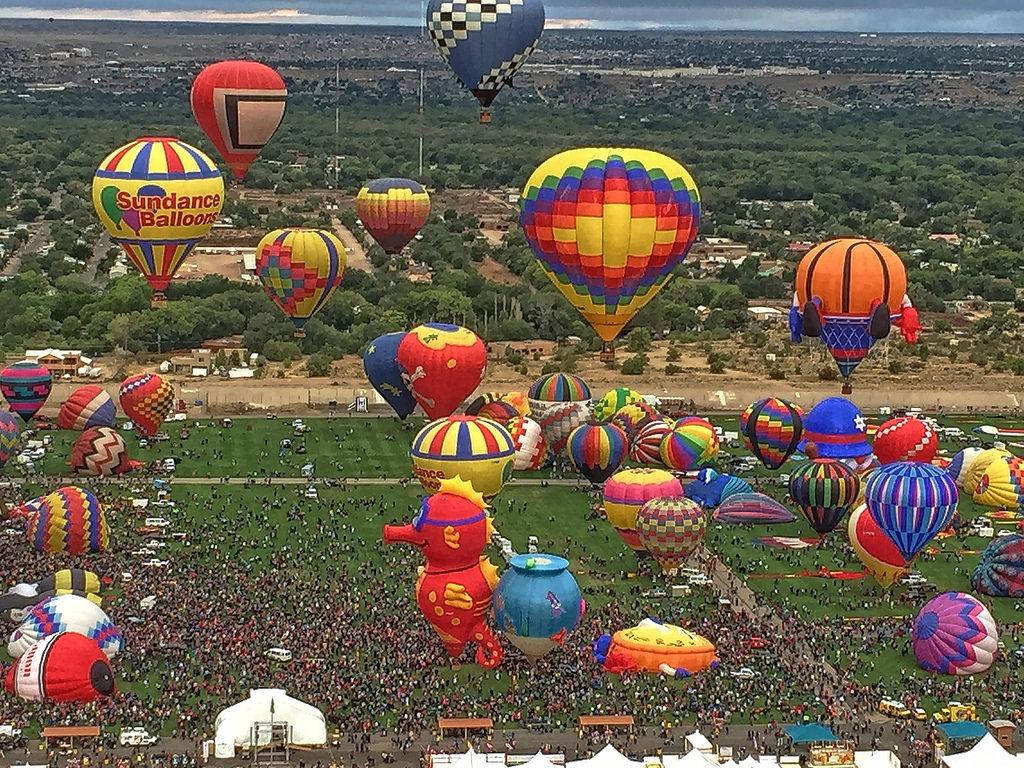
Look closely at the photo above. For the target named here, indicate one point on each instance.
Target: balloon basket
(485, 117)
(608, 353)
(847, 388)
(299, 334)
(158, 301)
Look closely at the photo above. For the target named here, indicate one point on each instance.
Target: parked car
(137, 736)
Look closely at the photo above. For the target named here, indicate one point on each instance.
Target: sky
(995, 16)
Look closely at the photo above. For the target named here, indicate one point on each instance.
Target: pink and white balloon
(954, 634)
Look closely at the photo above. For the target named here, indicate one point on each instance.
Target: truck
(955, 712)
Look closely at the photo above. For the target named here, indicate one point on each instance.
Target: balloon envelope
(905, 439)
(393, 211)
(824, 489)
(911, 502)
(626, 491)
(100, 451)
(25, 387)
(537, 603)
(1000, 571)
(597, 450)
(9, 434)
(874, 549)
(66, 613)
(479, 451)
(1002, 484)
(954, 634)
(380, 361)
(442, 365)
(771, 430)
(88, 406)
(300, 269)
(606, 407)
(147, 399)
(528, 438)
(65, 667)
(70, 520)
(670, 529)
(752, 509)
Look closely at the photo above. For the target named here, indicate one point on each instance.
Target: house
(225, 352)
(799, 246)
(539, 347)
(719, 250)
(765, 315)
(60, 362)
(952, 239)
(227, 343)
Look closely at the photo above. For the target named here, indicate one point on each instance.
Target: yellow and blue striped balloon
(479, 451)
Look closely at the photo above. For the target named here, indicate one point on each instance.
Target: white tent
(234, 725)
(608, 757)
(692, 759)
(753, 762)
(699, 741)
(470, 759)
(988, 752)
(540, 760)
(876, 759)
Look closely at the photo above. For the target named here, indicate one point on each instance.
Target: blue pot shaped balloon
(537, 603)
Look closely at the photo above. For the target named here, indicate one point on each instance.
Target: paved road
(355, 252)
(99, 249)
(40, 236)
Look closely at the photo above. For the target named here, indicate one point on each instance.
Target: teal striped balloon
(824, 489)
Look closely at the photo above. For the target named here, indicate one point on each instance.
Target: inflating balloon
(70, 520)
(608, 226)
(954, 634)
(393, 211)
(657, 648)
(634, 417)
(876, 551)
(824, 489)
(25, 387)
(835, 429)
(9, 434)
(537, 603)
(709, 488)
(626, 491)
(528, 439)
(771, 430)
(689, 445)
(670, 529)
(16, 602)
(88, 406)
(752, 509)
(99, 452)
(905, 439)
(239, 105)
(911, 502)
(559, 402)
(597, 451)
(157, 198)
(147, 399)
(441, 364)
(606, 407)
(479, 451)
(485, 44)
(559, 388)
(973, 473)
(66, 613)
(454, 588)
(380, 361)
(1002, 484)
(960, 466)
(1000, 571)
(300, 269)
(646, 445)
(64, 667)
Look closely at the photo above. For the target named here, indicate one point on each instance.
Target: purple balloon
(955, 634)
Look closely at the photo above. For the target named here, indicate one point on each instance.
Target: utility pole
(337, 117)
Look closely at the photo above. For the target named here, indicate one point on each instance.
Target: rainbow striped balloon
(9, 434)
(824, 489)
(25, 386)
(691, 443)
(597, 450)
(393, 210)
(771, 430)
(559, 388)
(477, 450)
(69, 520)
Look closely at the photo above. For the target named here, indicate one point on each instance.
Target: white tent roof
(698, 740)
(234, 724)
(608, 757)
(987, 752)
(540, 760)
(692, 759)
(876, 759)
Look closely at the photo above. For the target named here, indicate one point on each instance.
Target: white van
(158, 522)
(137, 737)
(278, 654)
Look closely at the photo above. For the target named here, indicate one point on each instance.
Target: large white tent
(988, 753)
(234, 725)
(876, 759)
(692, 759)
(608, 757)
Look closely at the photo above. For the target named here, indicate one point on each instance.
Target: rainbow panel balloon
(691, 443)
(628, 490)
(597, 450)
(771, 430)
(25, 386)
(300, 270)
(608, 226)
(479, 451)
(393, 211)
(824, 489)
(954, 634)
(559, 388)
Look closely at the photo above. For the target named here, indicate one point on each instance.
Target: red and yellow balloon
(442, 365)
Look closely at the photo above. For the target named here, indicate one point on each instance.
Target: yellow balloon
(972, 475)
(479, 451)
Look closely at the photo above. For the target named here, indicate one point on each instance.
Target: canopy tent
(963, 729)
(768, 761)
(876, 759)
(470, 759)
(988, 753)
(809, 733)
(234, 726)
(693, 759)
(699, 741)
(464, 724)
(540, 760)
(608, 757)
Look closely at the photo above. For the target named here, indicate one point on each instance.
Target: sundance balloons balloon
(874, 549)
(239, 105)
(157, 198)
(597, 451)
(608, 226)
(905, 439)
(670, 529)
(99, 452)
(478, 451)
(954, 634)
(393, 211)
(824, 489)
(771, 430)
(537, 603)
(911, 502)
(66, 667)
(531, 449)
(628, 490)
(66, 613)
(88, 406)
(850, 293)
(646, 445)
(441, 364)
(380, 361)
(70, 520)
(300, 269)
(25, 387)
(9, 434)
(147, 399)
(485, 43)
(1000, 571)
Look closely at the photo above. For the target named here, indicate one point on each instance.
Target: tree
(639, 340)
(29, 210)
(281, 351)
(635, 365)
(319, 364)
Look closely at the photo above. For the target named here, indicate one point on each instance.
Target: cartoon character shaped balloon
(824, 489)
(64, 667)
(485, 44)
(911, 502)
(835, 429)
(954, 634)
(147, 399)
(239, 105)
(88, 406)
(874, 549)
(670, 529)
(597, 451)
(380, 362)
(850, 293)
(9, 434)
(17, 601)
(70, 520)
(608, 226)
(771, 430)
(157, 198)
(99, 452)
(25, 387)
(66, 613)
(627, 491)
(300, 269)
(454, 588)
(1000, 570)
(393, 211)
(537, 603)
(905, 439)
(441, 364)
(654, 647)
(479, 451)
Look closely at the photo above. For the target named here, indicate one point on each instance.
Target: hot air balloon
(477, 450)
(752, 509)
(393, 211)
(646, 445)
(559, 388)
(99, 452)
(849, 293)
(835, 429)
(1002, 484)
(606, 407)
(771, 430)
(670, 529)
(559, 402)
(71, 520)
(537, 603)
(656, 648)
(874, 549)
(300, 269)
(824, 489)
(626, 491)
(960, 466)
(709, 488)
(17, 601)
(485, 43)
(500, 411)
(954, 634)
(66, 667)
(88, 406)
(688, 446)
(608, 226)
(25, 387)
(634, 417)
(911, 502)
(441, 364)
(239, 105)
(905, 439)
(528, 439)
(380, 361)
(597, 450)
(9, 434)
(1000, 571)
(147, 399)
(157, 198)
(975, 469)
(454, 588)
(66, 613)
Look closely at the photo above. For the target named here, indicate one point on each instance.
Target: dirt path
(497, 272)
(355, 251)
